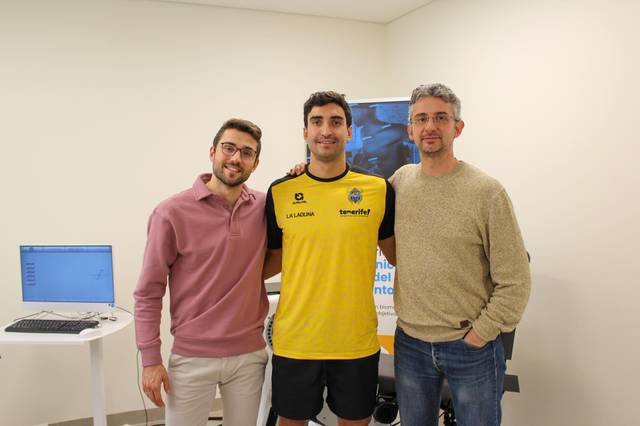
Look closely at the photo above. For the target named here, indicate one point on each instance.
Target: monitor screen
(67, 276)
(380, 143)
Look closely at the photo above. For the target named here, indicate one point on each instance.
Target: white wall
(108, 107)
(550, 93)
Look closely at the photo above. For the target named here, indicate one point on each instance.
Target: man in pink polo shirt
(208, 243)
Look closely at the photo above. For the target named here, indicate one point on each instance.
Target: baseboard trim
(156, 416)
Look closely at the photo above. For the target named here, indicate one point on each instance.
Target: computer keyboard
(50, 326)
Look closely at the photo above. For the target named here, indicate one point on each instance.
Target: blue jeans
(475, 377)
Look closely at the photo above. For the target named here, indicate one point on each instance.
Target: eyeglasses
(439, 119)
(230, 149)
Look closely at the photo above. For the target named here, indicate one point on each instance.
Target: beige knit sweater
(461, 258)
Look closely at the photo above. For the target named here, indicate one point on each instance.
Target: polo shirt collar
(201, 191)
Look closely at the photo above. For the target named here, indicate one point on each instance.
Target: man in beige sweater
(462, 274)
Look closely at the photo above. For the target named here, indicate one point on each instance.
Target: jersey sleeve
(274, 232)
(386, 226)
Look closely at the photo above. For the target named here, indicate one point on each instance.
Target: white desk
(106, 328)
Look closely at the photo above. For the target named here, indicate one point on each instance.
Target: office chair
(387, 409)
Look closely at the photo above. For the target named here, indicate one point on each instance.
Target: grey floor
(217, 413)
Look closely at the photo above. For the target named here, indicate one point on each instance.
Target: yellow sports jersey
(328, 230)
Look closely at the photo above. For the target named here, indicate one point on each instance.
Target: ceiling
(377, 11)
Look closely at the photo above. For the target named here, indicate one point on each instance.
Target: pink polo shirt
(211, 255)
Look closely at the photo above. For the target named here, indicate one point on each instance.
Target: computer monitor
(67, 278)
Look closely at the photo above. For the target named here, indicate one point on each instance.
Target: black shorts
(298, 387)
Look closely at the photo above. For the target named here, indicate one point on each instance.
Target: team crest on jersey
(355, 195)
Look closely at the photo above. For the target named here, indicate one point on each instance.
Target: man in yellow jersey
(324, 227)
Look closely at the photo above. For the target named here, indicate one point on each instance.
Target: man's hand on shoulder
(152, 377)
(297, 170)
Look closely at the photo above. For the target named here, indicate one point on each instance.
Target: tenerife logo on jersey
(354, 212)
(355, 195)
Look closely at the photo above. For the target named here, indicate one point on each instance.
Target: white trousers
(193, 383)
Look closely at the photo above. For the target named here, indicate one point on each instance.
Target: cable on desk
(123, 309)
(86, 316)
(144, 405)
(30, 315)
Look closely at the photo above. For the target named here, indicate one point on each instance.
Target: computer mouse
(89, 332)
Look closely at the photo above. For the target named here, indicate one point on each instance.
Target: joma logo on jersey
(299, 198)
(300, 214)
(354, 213)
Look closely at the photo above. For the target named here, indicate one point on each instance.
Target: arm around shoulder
(273, 258)
(388, 247)
(272, 263)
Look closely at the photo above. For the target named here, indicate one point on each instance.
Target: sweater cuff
(485, 329)
(151, 356)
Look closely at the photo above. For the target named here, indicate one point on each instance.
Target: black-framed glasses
(230, 149)
(438, 119)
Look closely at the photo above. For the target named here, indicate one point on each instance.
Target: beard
(241, 176)
(433, 150)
